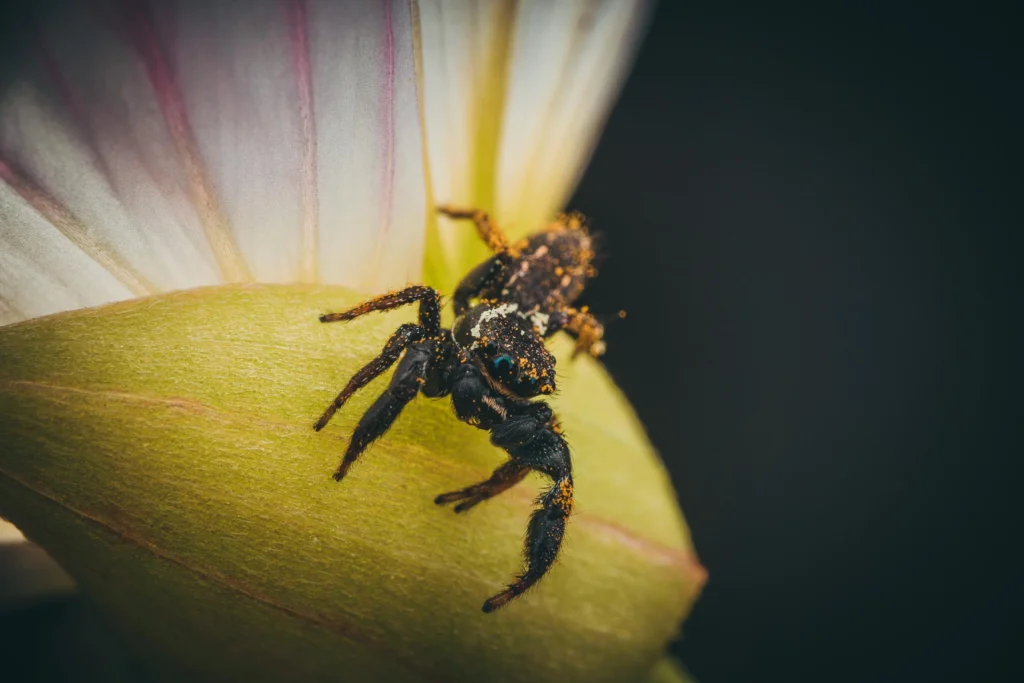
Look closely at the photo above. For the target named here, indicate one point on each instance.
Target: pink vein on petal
(80, 115)
(69, 225)
(297, 19)
(143, 37)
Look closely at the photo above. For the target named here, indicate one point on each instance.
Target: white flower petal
(40, 140)
(179, 144)
(110, 79)
(464, 49)
(236, 66)
(370, 180)
(514, 97)
(172, 149)
(567, 64)
(41, 270)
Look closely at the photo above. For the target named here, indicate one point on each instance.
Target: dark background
(807, 213)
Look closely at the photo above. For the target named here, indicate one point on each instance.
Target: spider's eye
(502, 363)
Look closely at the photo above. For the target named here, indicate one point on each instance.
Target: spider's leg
(573, 220)
(582, 326)
(405, 383)
(533, 439)
(403, 336)
(486, 279)
(504, 478)
(491, 234)
(430, 307)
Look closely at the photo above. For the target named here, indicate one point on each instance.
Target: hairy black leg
(439, 373)
(403, 336)
(505, 477)
(491, 234)
(484, 280)
(430, 307)
(533, 439)
(378, 419)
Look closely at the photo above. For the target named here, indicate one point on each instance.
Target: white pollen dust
(540, 321)
(501, 311)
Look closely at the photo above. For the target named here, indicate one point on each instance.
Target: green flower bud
(162, 450)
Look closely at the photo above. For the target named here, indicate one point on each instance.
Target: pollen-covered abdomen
(552, 269)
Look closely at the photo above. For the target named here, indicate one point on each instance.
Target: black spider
(492, 361)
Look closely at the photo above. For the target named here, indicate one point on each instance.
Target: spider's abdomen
(552, 269)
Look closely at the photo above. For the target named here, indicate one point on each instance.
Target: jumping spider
(492, 361)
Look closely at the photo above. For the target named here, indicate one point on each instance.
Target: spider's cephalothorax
(492, 362)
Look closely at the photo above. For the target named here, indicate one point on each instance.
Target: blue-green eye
(503, 362)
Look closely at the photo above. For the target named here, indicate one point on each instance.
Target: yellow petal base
(162, 451)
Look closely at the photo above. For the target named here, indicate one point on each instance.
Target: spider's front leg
(484, 281)
(429, 327)
(405, 384)
(428, 298)
(420, 342)
(487, 279)
(404, 336)
(532, 437)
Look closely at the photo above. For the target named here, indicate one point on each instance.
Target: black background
(807, 213)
